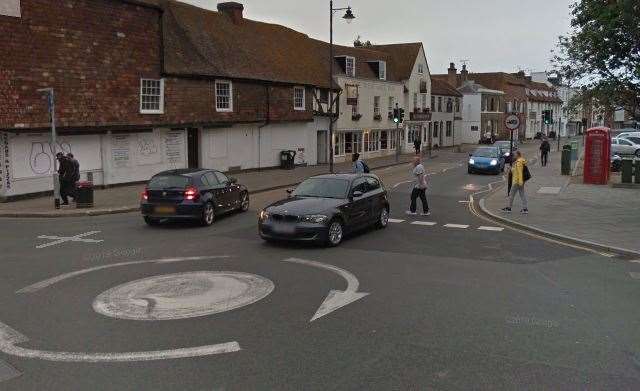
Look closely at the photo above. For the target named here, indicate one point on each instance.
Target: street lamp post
(348, 16)
(48, 92)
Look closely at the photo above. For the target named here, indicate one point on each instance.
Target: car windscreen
(169, 182)
(484, 152)
(323, 188)
(635, 140)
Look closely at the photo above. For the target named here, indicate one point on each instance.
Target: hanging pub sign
(352, 94)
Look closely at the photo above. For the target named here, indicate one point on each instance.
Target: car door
(230, 191)
(626, 147)
(615, 148)
(359, 207)
(375, 193)
(216, 191)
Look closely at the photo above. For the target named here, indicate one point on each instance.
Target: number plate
(164, 209)
(282, 228)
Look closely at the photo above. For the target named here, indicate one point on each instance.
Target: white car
(622, 146)
(628, 134)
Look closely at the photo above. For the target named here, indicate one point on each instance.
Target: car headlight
(263, 215)
(471, 161)
(507, 154)
(494, 162)
(317, 219)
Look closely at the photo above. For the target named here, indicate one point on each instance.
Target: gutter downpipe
(266, 122)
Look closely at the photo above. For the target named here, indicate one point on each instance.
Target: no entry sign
(512, 122)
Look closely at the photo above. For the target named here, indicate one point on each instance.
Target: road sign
(512, 122)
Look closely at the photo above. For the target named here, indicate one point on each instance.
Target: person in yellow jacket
(517, 183)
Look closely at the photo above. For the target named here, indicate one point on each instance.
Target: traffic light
(396, 115)
(401, 115)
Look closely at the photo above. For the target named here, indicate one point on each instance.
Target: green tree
(602, 53)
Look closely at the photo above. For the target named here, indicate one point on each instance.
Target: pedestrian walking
(419, 189)
(417, 143)
(65, 173)
(359, 166)
(545, 147)
(519, 175)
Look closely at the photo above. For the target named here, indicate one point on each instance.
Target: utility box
(597, 156)
(565, 162)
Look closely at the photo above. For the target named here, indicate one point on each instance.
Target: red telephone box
(597, 156)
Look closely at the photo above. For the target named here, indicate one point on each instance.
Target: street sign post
(52, 115)
(512, 122)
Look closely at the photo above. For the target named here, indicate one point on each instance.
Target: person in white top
(419, 189)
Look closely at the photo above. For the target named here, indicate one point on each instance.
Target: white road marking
(549, 190)
(54, 280)
(635, 261)
(485, 228)
(635, 275)
(10, 337)
(427, 223)
(608, 255)
(396, 221)
(463, 201)
(62, 239)
(335, 299)
(401, 183)
(462, 226)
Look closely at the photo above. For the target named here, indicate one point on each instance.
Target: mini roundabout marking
(174, 296)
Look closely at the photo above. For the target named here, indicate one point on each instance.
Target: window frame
(304, 98)
(215, 88)
(420, 69)
(160, 110)
(382, 70)
(376, 105)
(353, 66)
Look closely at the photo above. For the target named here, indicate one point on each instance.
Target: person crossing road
(419, 189)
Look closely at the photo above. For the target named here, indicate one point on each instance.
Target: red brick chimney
(232, 10)
(452, 77)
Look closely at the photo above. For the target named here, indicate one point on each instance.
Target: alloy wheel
(335, 233)
(244, 202)
(384, 218)
(208, 214)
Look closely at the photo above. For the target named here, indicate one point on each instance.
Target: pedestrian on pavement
(417, 143)
(545, 147)
(65, 172)
(517, 183)
(76, 173)
(419, 188)
(358, 165)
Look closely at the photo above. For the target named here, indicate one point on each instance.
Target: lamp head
(348, 16)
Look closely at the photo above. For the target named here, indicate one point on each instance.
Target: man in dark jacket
(66, 173)
(545, 147)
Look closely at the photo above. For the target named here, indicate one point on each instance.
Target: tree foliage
(358, 43)
(602, 52)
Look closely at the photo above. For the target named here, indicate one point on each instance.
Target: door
(626, 147)
(322, 146)
(359, 207)
(230, 191)
(193, 148)
(214, 188)
(375, 193)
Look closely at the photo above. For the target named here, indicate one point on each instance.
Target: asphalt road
(449, 305)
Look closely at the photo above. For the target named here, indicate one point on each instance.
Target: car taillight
(191, 193)
(145, 194)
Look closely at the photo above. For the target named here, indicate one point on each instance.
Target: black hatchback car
(192, 194)
(326, 207)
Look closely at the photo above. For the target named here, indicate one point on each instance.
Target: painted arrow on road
(335, 299)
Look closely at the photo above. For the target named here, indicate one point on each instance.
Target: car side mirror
(357, 194)
(289, 192)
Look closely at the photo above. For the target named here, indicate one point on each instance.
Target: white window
(224, 96)
(424, 101)
(298, 98)
(420, 69)
(151, 96)
(376, 105)
(415, 100)
(382, 70)
(350, 66)
(338, 144)
(10, 8)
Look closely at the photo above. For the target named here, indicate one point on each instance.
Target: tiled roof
(403, 57)
(441, 87)
(200, 42)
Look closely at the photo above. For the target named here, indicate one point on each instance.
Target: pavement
(126, 198)
(563, 207)
(448, 302)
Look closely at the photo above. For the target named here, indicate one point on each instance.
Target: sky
(492, 35)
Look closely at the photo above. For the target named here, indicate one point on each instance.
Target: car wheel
(244, 202)
(208, 215)
(383, 218)
(335, 233)
(151, 221)
(638, 153)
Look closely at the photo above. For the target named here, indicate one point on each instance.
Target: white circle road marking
(182, 295)
(54, 280)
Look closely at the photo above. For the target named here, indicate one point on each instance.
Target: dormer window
(382, 70)
(298, 98)
(350, 66)
(420, 69)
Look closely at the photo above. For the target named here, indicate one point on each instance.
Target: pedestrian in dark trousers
(419, 189)
(416, 145)
(76, 174)
(65, 172)
(545, 147)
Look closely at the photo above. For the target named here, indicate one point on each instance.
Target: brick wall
(93, 53)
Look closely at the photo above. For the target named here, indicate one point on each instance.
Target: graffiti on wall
(41, 159)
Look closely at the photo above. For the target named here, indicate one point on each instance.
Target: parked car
(616, 163)
(505, 149)
(486, 160)
(633, 137)
(623, 146)
(191, 194)
(324, 208)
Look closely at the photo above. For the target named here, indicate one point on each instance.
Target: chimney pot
(232, 10)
